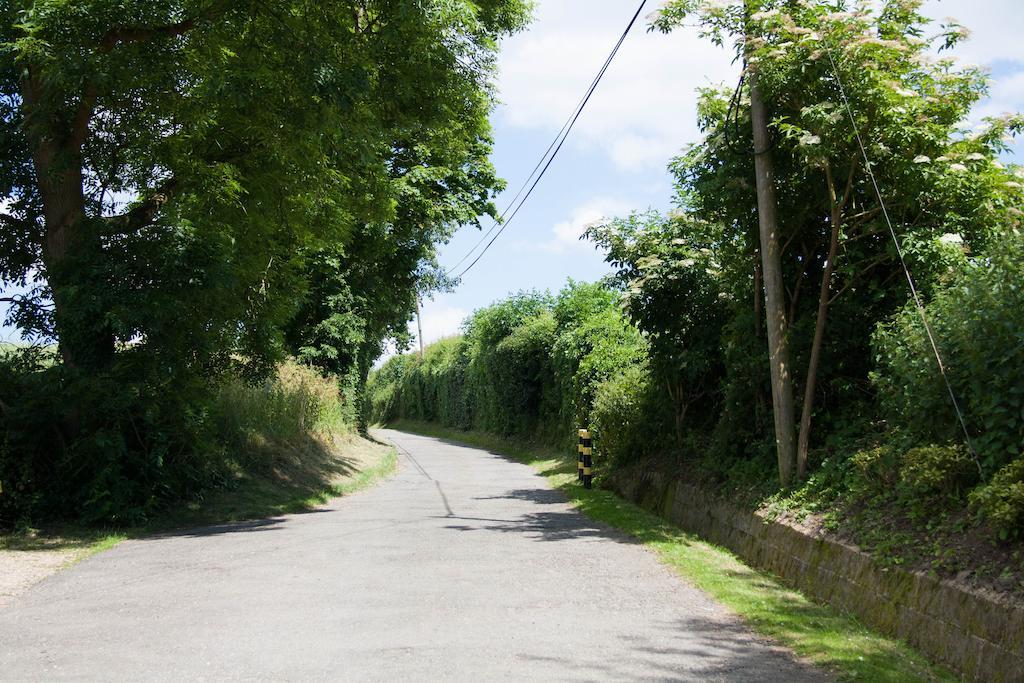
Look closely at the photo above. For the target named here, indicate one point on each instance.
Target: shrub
(938, 469)
(527, 365)
(979, 327)
(1001, 501)
(521, 377)
(497, 389)
(878, 467)
(621, 418)
(106, 449)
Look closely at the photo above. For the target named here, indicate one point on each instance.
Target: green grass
(358, 464)
(816, 633)
(311, 481)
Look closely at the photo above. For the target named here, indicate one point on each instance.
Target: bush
(938, 469)
(500, 391)
(521, 377)
(595, 341)
(528, 365)
(1001, 501)
(979, 327)
(100, 448)
(878, 468)
(105, 449)
(621, 421)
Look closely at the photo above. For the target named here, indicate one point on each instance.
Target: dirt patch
(22, 569)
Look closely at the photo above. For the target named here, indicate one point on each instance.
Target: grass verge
(296, 486)
(817, 633)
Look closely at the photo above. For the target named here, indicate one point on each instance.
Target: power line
(903, 262)
(549, 156)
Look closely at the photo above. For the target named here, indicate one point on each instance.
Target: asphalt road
(464, 566)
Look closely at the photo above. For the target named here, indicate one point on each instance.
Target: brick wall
(972, 633)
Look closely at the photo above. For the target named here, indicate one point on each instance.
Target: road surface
(464, 566)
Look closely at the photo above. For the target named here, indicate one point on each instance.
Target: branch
(848, 193)
(83, 115)
(11, 220)
(855, 278)
(143, 213)
(141, 34)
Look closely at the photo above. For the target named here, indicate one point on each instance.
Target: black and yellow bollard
(584, 462)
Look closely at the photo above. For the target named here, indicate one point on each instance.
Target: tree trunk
(759, 397)
(71, 249)
(771, 263)
(816, 344)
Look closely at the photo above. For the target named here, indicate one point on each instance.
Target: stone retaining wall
(974, 634)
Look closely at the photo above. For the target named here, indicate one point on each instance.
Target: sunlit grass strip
(253, 499)
(816, 633)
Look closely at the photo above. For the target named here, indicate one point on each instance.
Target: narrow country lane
(464, 566)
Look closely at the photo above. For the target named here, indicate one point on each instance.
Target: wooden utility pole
(771, 267)
(419, 326)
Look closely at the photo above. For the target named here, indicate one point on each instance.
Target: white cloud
(994, 25)
(565, 235)
(1007, 95)
(439, 320)
(994, 43)
(643, 111)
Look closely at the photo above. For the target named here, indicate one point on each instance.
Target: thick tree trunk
(71, 249)
(771, 263)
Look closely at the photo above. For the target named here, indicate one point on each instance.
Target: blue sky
(641, 116)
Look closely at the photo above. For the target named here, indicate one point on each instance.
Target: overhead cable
(903, 262)
(545, 161)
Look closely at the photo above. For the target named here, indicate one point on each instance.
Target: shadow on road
(539, 496)
(695, 648)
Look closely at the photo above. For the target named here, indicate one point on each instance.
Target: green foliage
(193, 191)
(527, 365)
(672, 292)
(509, 372)
(933, 470)
(1001, 501)
(624, 417)
(146, 448)
(595, 342)
(878, 467)
(946, 192)
(978, 322)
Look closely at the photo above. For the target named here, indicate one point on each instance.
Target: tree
(192, 188)
(673, 294)
(236, 133)
(813, 58)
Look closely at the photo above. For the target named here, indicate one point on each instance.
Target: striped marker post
(584, 462)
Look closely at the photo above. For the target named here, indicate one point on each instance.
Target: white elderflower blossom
(922, 159)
